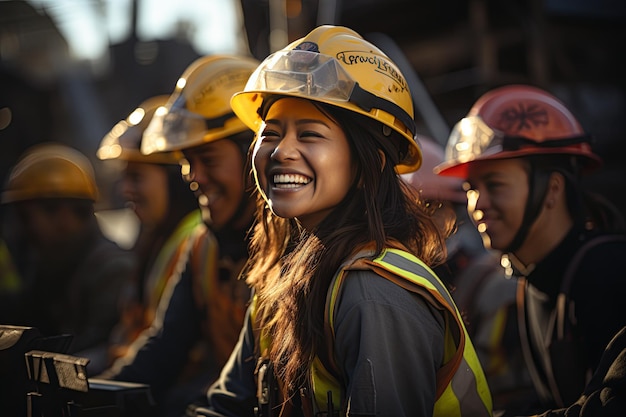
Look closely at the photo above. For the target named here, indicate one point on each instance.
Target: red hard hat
(514, 121)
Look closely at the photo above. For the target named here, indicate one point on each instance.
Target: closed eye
(269, 135)
(312, 134)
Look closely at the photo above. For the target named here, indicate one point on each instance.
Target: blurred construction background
(71, 69)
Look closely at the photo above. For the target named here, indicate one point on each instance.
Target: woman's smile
(290, 181)
(302, 161)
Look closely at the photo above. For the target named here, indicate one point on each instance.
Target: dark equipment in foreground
(39, 380)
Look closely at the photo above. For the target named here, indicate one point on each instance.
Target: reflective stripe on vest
(461, 384)
(171, 258)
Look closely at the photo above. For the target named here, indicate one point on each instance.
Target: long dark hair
(291, 268)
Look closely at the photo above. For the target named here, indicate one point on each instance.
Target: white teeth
(290, 180)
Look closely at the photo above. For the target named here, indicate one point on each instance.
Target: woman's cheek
(259, 162)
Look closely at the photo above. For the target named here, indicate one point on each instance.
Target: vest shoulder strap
(410, 273)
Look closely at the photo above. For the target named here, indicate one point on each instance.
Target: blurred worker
(523, 153)
(482, 292)
(198, 121)
(444, 195)
(168, 215)
(70, 277)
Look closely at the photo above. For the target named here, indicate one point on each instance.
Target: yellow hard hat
(335, 65)
(124, 140)
(198, 111)
(51, 170)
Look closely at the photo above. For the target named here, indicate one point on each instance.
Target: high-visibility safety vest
(218, 293)
(171, 256)
(462, 388)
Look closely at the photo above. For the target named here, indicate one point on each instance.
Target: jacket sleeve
(234, 393)
(101, 278)
(159, 353)
(389, 344)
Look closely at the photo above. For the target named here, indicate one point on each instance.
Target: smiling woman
(346, 307)
(302, 162)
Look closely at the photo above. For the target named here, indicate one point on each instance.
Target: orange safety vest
(219, 292)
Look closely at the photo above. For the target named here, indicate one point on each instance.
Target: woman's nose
(285, 149)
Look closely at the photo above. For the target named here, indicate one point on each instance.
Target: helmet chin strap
(537, 188)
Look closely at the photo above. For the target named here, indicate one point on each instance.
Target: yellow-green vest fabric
(462, 388)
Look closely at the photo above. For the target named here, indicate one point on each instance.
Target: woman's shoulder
(366, 288)
(368, 283)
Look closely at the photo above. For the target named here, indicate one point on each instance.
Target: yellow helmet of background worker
(123, 142)
(198, 111)
(336, 66)
(51, 170)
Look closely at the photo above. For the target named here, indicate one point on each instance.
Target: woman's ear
(556, 189)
